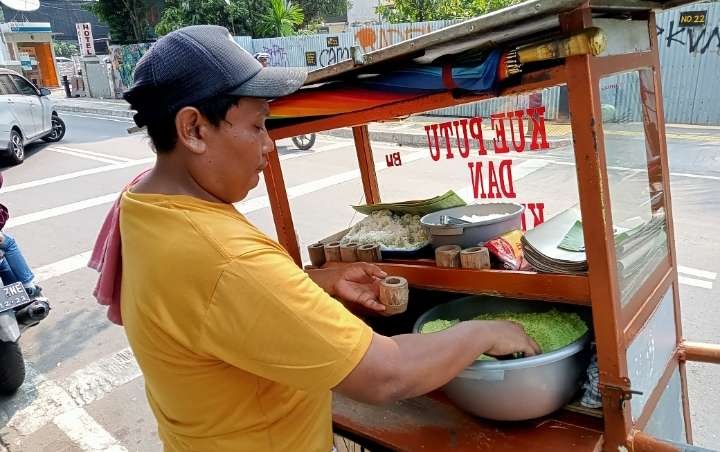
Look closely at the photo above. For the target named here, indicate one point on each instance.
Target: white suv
(26, 115)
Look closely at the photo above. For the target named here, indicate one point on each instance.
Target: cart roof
(504, 25)
(527, 22)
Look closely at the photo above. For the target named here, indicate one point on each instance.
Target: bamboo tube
(476, 258)
(394, 293)
(332, 252)
(590, 41)
(369, 253)
(448, 256)
(317, 254)
(348, 253)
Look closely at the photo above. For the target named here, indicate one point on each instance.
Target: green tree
(180, 13)
(425, 10)
(241, 17)
(128, 20)
(65, 48)
(318, 11)
(282, 19)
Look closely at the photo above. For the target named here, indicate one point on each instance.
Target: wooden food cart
(638, 334)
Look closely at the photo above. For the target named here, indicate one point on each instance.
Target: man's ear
(191, 127)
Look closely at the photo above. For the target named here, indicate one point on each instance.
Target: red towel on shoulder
(106, 258)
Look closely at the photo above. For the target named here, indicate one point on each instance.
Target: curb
(116, 113)
(420, 140)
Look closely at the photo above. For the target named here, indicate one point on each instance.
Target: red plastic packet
(508, 250)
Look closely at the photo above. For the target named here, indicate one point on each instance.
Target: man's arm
(326, 278)
(409, 365)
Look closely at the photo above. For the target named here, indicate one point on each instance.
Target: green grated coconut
(551, 330)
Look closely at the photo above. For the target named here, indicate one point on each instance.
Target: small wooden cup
(369, 253)
(317, 254)
(448, 256)
(394, 293)
(348, 253)
(476, 258)
(332, 252)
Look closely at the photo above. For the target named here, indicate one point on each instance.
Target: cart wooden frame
(615, 325)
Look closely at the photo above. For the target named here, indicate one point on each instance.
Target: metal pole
(66, 84)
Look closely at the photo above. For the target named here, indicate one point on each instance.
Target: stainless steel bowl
(517, 389)
(468, 234)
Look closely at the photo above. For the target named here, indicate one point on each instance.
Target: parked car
(26, 115)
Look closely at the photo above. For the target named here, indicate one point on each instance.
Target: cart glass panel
(632, 147)
(508, 149)
(668, 419)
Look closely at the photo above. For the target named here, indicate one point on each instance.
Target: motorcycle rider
(13, 266)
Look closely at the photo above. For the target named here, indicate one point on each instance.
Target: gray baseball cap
(197, 63)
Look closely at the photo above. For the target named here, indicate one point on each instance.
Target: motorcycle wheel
(12, 367)
(304, 142)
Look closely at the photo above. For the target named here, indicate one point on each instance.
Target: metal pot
(517, 389)
(472, 233)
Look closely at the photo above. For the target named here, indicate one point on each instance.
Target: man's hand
(510, 337)
(360, 283)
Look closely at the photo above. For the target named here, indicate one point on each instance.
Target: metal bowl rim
(519, 209)
(532, 361)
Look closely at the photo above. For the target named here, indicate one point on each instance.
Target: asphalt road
(84, 391)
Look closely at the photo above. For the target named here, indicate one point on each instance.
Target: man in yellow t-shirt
(240, 349)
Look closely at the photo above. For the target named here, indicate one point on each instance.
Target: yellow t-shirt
(238, 346)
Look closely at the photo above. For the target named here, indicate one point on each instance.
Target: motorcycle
(18, 312)
(304, 142)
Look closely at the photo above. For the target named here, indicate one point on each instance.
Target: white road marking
(622, 168)
(695, 282)
(96, 380)
(75, 175)
(296, 191)
(317, 150)
(96, 154)
(80, 427)
(37, 403)
(62, 267)
(527, 167)
(84, 156)
(332, 146)
(695, 176)
(254, 203)
(697, 272)
(61, 210)
(79, 261)
(40, 401)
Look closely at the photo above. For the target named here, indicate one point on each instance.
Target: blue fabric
(13, 267)
(475, 77)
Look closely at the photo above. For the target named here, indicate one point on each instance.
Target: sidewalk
(411, 132)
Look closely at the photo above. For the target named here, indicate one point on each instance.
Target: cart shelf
(515, 284)
(433, 423)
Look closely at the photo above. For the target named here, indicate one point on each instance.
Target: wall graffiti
(373, 38)
(333, 55)
(278, 55)
(124, 60)
(696, 40)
